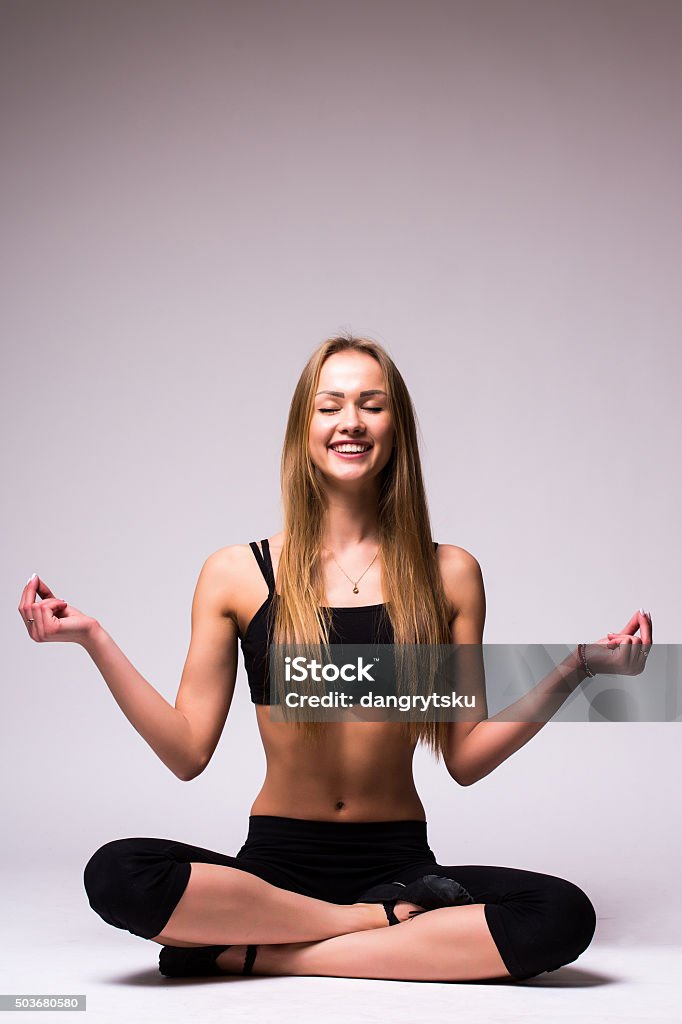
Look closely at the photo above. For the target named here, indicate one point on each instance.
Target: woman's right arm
(164, 728)
(183, 736)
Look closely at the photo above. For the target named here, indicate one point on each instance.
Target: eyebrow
(342, 394)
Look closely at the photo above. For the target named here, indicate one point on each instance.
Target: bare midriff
(360, 771)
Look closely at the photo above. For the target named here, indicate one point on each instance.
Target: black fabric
(538, 922)
(366, 624)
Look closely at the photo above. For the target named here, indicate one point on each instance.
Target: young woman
(336, 876)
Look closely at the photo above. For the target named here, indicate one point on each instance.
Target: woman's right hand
(51, 618)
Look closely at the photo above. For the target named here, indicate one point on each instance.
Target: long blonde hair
(418, 611)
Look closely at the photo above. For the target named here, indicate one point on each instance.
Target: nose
(351, 421)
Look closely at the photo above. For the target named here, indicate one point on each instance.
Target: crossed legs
(182, 895)
(299, 935)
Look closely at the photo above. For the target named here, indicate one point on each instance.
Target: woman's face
(351, 416)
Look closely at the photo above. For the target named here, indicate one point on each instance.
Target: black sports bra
(365, 624)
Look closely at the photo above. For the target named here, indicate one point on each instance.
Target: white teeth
(350, 448)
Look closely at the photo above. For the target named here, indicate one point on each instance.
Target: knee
(109, 880)
(105, 875)
(573, 923)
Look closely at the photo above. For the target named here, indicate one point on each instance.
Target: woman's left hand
(622, 654)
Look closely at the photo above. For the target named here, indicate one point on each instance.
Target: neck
(350, 520)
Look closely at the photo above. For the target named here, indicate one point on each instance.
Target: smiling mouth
(351, 451)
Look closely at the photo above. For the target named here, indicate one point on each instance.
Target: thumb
(631, 626)
(42, 589)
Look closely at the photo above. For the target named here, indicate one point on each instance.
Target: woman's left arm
(477, 747)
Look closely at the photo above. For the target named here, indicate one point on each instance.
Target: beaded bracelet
(583, 660)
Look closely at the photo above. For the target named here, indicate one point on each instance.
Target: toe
(404, 911)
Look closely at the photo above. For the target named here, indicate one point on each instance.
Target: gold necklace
(355, 582)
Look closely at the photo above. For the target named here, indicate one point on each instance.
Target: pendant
(355, 590)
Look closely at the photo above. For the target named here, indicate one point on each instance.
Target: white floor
(53, 943)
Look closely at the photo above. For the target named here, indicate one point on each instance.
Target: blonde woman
(336, 876)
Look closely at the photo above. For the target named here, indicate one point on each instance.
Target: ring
(31, 620)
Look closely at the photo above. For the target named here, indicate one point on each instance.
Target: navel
(339, 805)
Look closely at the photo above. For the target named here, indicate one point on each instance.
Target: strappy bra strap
(264, 561)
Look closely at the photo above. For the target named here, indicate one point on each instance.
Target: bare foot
(232, 960)
(402, 910)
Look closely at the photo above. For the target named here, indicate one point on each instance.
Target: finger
(36, 586)
(28, 582)
(647, 641)
(26, 608)
(52, 606)
(42, 588)
(632, 625)
(26, 600)
(51, 609)
(645, 626)
(37, 613)
(622, 639)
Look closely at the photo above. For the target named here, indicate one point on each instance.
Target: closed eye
(367, 408)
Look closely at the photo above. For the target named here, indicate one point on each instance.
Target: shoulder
(226, 559)
(462, 577)
(456, 561)
(224, 574)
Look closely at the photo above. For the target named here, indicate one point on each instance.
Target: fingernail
(31, 578)
(642, 611)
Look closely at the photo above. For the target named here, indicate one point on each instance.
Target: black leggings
(538, 922)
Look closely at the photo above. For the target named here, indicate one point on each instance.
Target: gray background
(194, 196)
